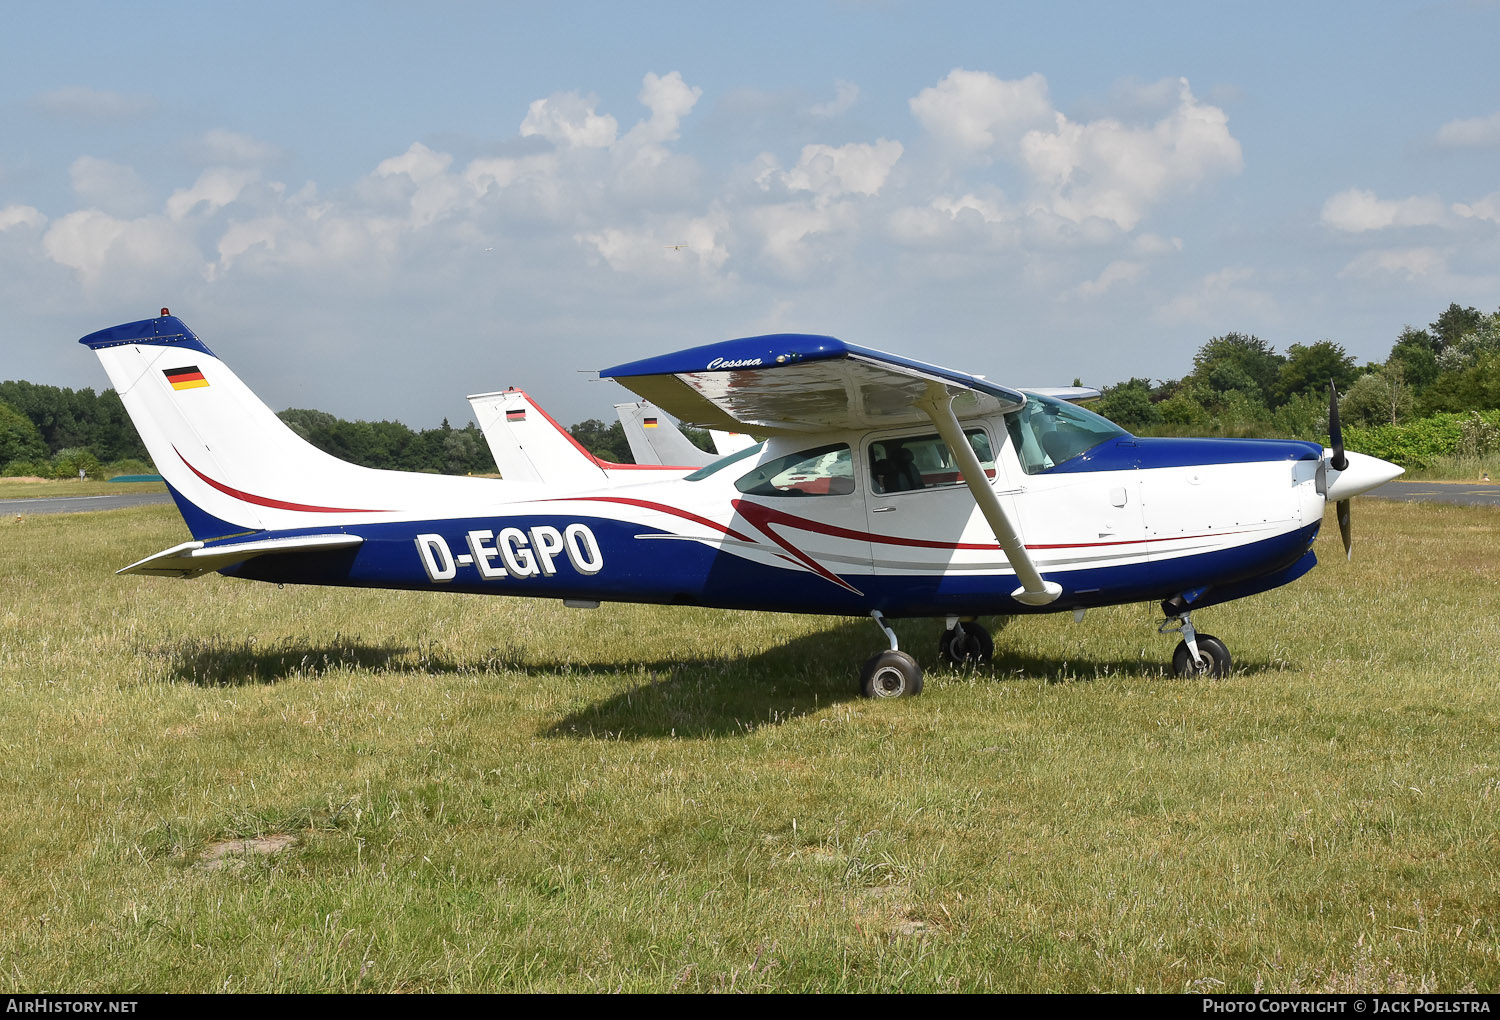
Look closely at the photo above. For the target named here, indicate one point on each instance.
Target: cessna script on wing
(512, 553)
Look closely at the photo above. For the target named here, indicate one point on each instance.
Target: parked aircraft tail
(232, 465)
(654, 439)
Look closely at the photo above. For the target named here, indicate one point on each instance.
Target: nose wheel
(1213, 658)
(1196, 654)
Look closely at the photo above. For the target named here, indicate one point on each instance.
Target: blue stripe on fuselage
(1135, 452)
(686, 572)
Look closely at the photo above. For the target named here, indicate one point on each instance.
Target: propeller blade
(1344, 528)
(1335, 431)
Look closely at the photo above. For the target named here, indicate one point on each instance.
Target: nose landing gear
(1196, 654)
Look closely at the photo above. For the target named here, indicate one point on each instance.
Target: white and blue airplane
(886, 488)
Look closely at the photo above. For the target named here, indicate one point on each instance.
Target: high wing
(801, 383)
(1072, 394)
(798, 382)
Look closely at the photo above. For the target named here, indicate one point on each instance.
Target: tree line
(52, 432)
(1239, 385)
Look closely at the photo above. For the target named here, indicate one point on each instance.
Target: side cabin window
(824, 471)
(1047, 432)
(908, 463)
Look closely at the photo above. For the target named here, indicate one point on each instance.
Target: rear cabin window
(1047, 432)
(824, 471)
(923, 462)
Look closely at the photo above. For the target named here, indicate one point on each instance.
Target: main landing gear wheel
(1213, 658)
(967, 644)
(890, 674)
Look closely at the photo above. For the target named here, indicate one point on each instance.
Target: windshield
(1048, 431)
(824, 471)
(723, 462)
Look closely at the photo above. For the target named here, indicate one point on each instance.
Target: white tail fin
(726, 443)
(530, 447)
(654, 439)
(232, 464)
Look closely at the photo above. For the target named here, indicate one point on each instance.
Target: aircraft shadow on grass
(727, 697)
(686, 698)
(216, 663)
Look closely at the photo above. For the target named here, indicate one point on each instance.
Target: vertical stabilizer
(655, 439)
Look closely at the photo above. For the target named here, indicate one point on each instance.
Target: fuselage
(839, 532)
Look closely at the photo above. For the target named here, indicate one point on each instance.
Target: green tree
(1237, 361)
(1128, 404)
(1414, 352)
(19, 438)
(607, 442)
(1452, 324)
(1377, 398)
(1309, 367)
(67, 463)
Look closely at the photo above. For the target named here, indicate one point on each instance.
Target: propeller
(1339, 462)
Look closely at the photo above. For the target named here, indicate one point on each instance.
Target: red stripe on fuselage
(266, 501)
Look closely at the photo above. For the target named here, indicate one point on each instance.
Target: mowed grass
(490, 794)
(52, 488)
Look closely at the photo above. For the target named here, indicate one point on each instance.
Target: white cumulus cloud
(13, 216)
(1409, 263)
(1358, 210)
(854, 169)
(977, 111)
(214, 189)
(1111, 171)
(1474, 132)
(568, 119)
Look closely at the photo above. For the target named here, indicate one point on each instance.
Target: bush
(28, 469)
(67, 463)
(1420, 443)
(128, 466)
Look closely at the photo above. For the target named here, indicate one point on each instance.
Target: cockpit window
(922, 462)
(723, 462)
(824, 471)
(1047, 432)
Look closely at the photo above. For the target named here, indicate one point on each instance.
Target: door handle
(882, 509)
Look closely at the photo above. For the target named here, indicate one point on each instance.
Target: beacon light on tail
(884, 487)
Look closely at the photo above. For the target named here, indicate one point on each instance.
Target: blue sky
(374, 210)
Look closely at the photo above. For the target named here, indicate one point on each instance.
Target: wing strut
(1034, 591)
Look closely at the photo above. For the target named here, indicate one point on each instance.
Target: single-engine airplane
(886, 487)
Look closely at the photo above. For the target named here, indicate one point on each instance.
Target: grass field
(33, 488)
(219, 785)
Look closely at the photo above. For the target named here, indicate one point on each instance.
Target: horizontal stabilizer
(192, 559)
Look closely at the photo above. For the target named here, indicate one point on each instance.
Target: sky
(374, 209)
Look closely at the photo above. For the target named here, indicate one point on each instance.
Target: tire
(890, 675)
(974, 647)
(1213, 658)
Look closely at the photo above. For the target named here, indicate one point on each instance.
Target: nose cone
(1363, 474)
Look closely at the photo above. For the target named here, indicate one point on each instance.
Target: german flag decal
(519, 414)
(188, 378)
(650, 423)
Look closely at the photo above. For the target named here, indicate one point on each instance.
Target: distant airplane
(530, 446)
(888, 487)
(675, 247)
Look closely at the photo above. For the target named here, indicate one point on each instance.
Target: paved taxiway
(78, 504)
